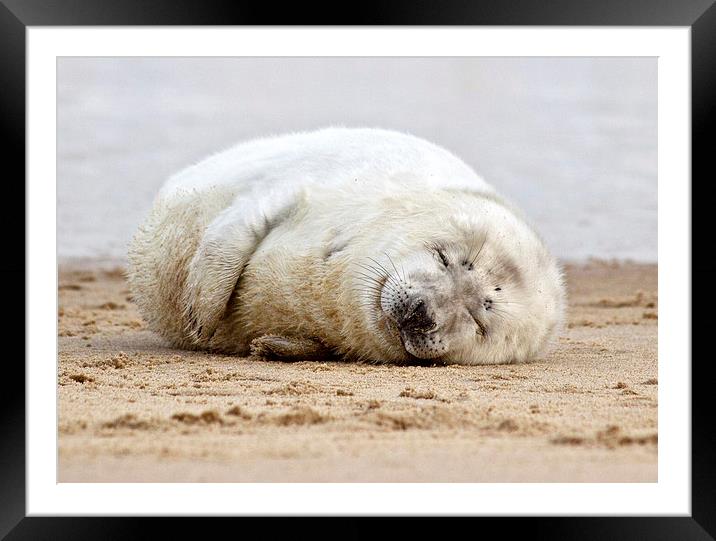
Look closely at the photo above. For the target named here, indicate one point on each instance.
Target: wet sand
(132, 409)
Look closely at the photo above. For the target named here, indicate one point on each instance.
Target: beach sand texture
(132, 409)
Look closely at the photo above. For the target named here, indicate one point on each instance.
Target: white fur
(267, 237)
(332, 157)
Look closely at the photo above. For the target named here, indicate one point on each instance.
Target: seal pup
(364, 243)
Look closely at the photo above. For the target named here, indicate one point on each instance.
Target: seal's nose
(416, 318)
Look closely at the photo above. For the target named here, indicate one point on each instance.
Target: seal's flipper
(223, 253)
(287, 349)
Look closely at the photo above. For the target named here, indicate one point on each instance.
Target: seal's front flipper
(271, 346)
(223, 252)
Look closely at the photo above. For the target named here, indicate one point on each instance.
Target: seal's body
(365, 243)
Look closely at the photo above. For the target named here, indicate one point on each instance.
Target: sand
(132, 409)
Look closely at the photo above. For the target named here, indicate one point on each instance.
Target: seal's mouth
(414, 360)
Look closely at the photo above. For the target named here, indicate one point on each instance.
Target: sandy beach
(132, 409)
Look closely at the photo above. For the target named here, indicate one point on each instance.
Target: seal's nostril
(416, 319)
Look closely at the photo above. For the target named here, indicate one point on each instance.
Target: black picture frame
(699, 15)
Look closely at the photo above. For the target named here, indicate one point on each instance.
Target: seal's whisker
(387, 272)
(394, 267)
(373, 279)
(375, 288)
(370, 288)
(377, 279)
(382, 272)
(388, 281)
(383, 275)
(375, 273)
(499, 313)
(367, 279)
(366, 265)
(484, 240)
(377, 285)
(378, 263)
(372, 292)
(368, 294)
(376, 268)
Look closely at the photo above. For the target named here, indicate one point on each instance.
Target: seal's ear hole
(498, 289)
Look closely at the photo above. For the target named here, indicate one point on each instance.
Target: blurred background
(573, 141)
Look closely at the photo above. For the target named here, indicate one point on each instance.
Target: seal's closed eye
(443, 258)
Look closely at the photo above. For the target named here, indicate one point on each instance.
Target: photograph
(413, 262)
(357, 269)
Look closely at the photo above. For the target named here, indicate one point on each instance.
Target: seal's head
(486, 292)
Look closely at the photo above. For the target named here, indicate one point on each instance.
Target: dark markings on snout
(416, 319)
